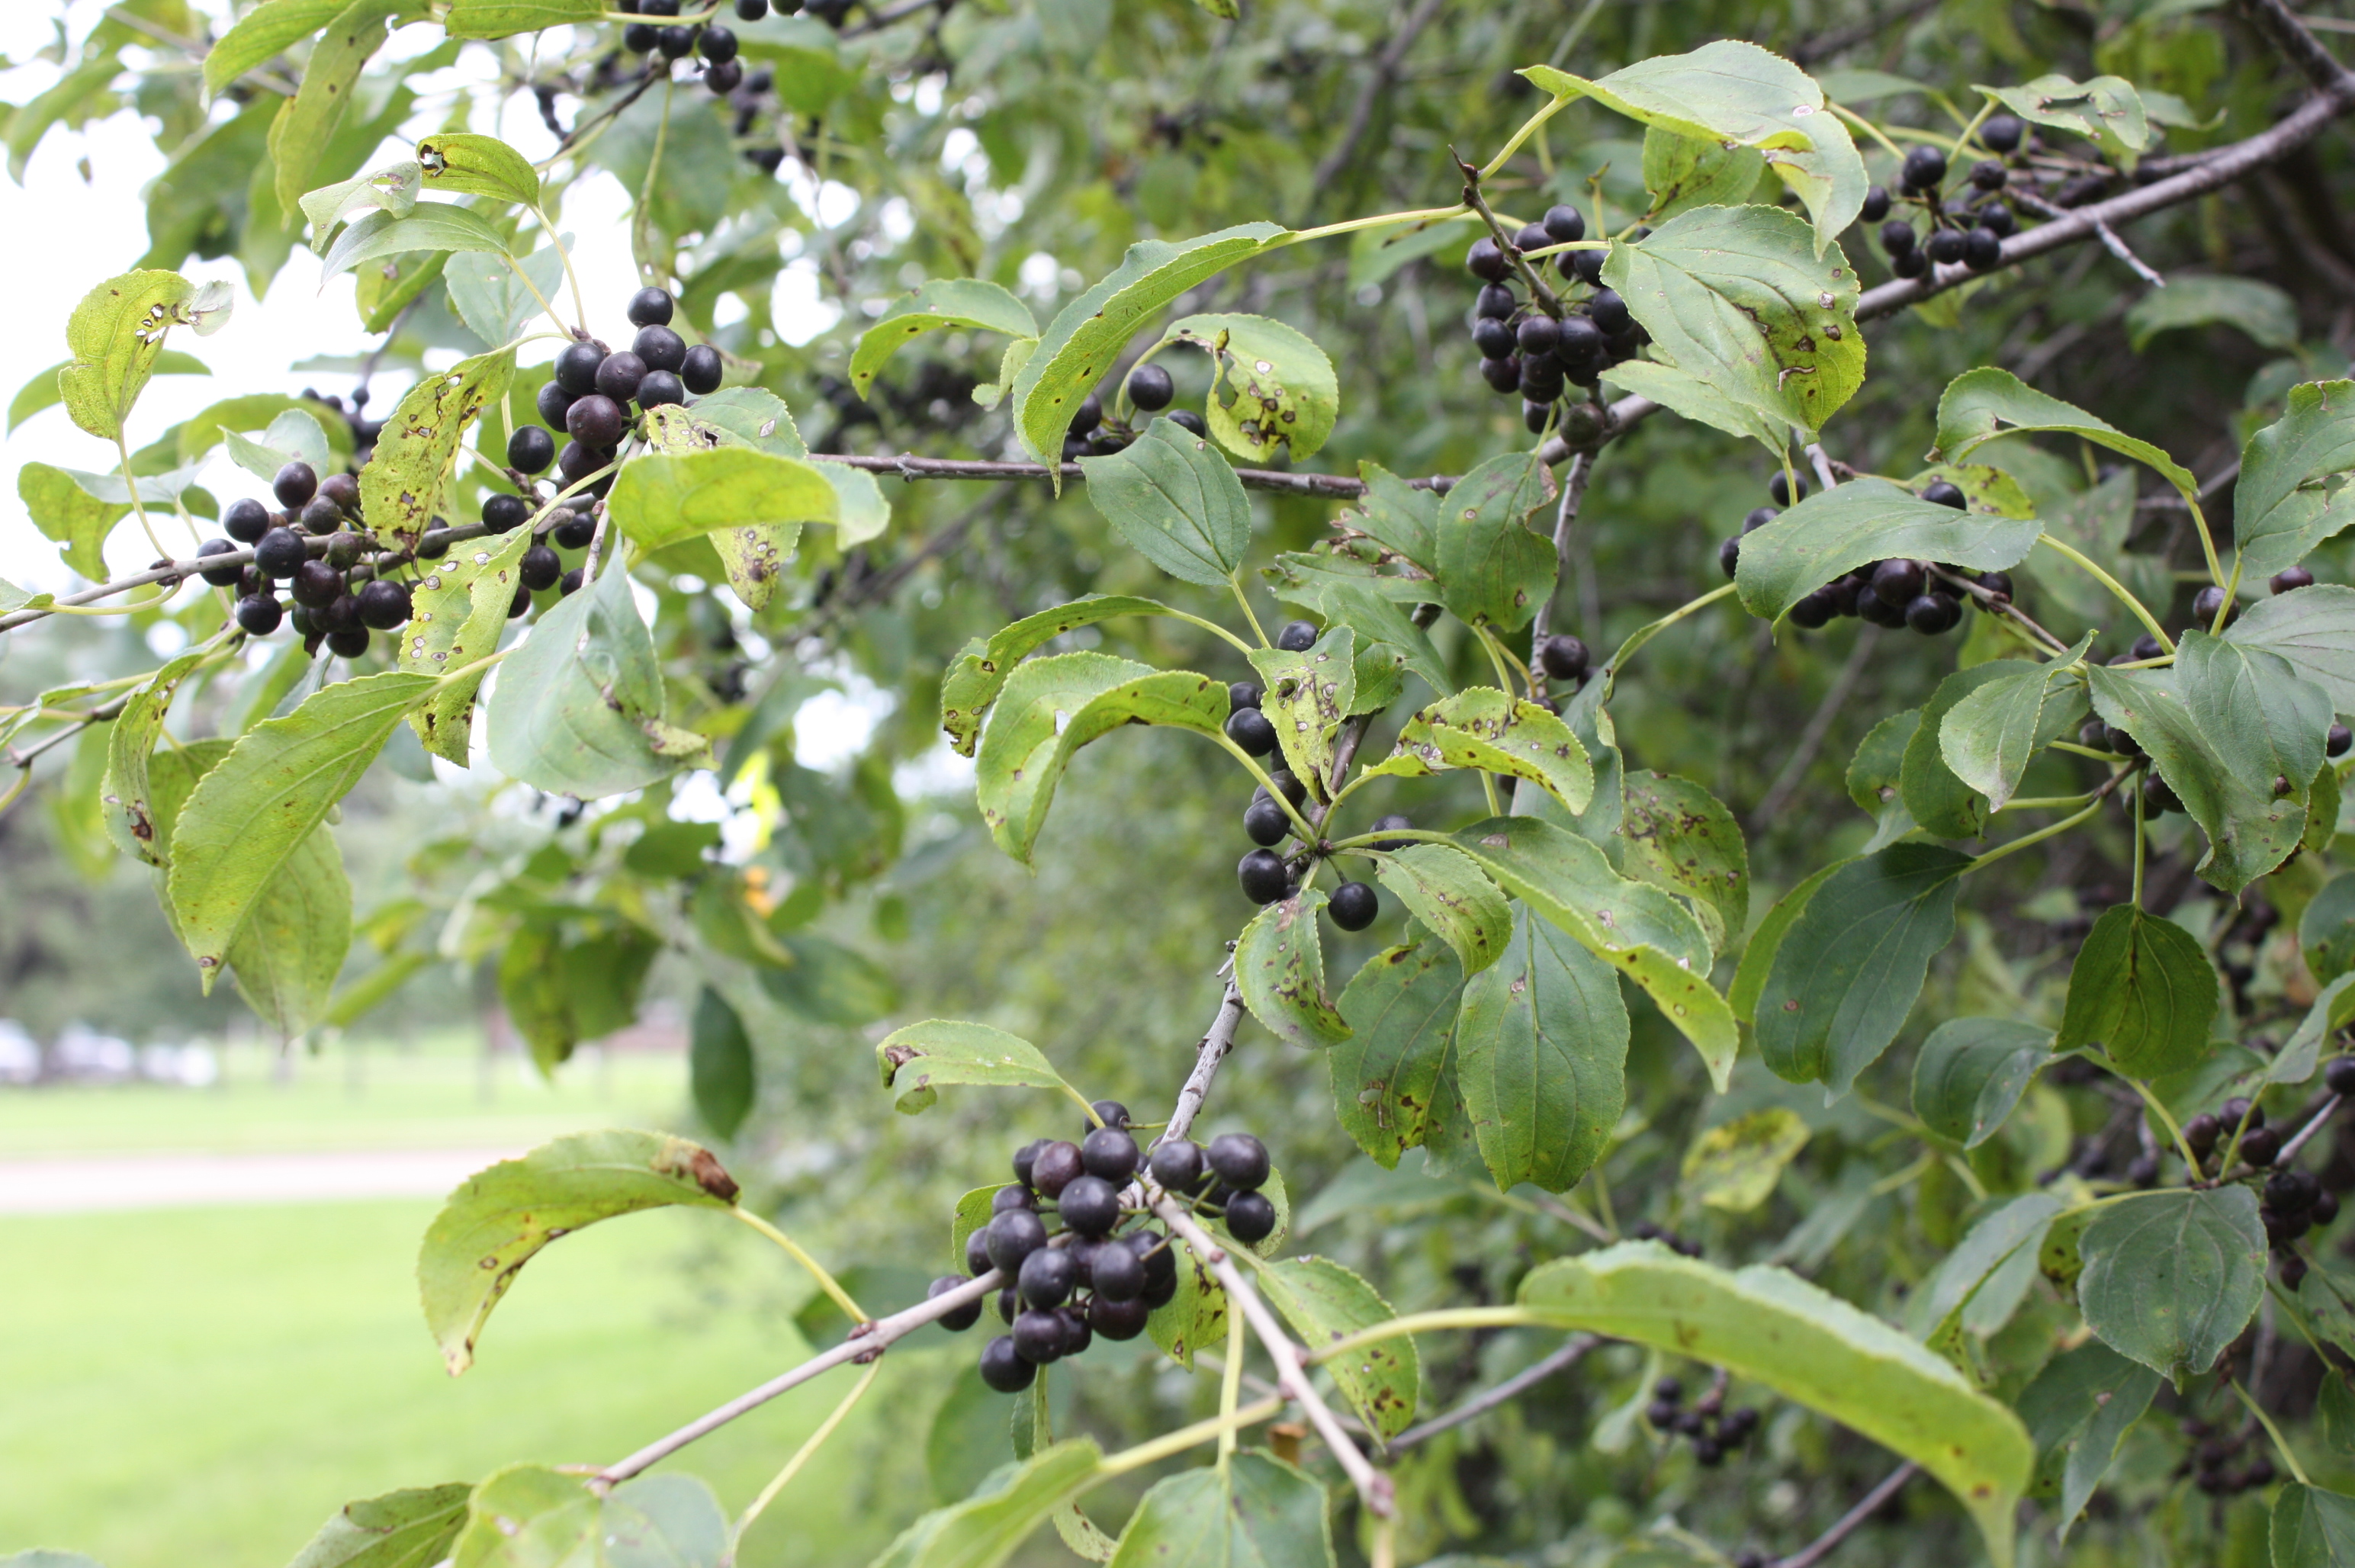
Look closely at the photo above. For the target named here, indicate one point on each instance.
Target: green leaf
(939, 304)
(1979, 405)
(1935, 797)
(2097, 523)
(263, 32)
(1252, 1511)
(1849, 969)
(2302, 1052)
(410, 1529)
(459, 609)
(719, 1067)
(1717, 285)
(1734, 1165)
(114, 337)
(1050, 707)
(392, 189)
(828, 983)
(1496, 732)
(747, 418)
(1644, 932)
(130, 742)
(984, 1530)
(1988, 736)
(660, 499)
(1280, 389)
(2326, 932)
(1773, 1327)
(2222, 727)
(2079, 1410)
(2279, 508)
(560, 992)
(1307, 693)
(430, 225)
(466, 164)
(1734, 91)
(2141, 988)
(1979, 1285)
(1971, 1073)
(1192, 1319)
(981, 671)
(2200, 299)
(1540, 1058)
(1396, 515)
(1442, 888)
(254, 411)
(1400, 1008)
(498, 1220)
(1493, 572)
(2314, 629)
(1323, 1302)
(42, 391)
(2106, 110)
(1681, 837)
(403, 486)
(1385, 633)
(1175, 502)
(948, 1052)
(79, 521)
(252, 812)
(306, 124)
(503, 18)
(2171, 1278)
(2312, 1528)
(530, 1517)
(1280, 970)
(1837, 530)
(1088, 333)
(490, 297)
(1686, 172)
(578, 708)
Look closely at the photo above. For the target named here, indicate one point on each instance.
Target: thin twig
(1992, 603)
(2109, 237)
(2314, 1124)
(1479, 203)
(1216, 1041)
(1513, 1387)
(1814, 1551)
(1565, 524)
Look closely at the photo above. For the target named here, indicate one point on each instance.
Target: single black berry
(1926, 168)
(1898, 582)
(1264, 823)
(1245, 694)
(1250, 729)
(502, 513)
(1536, 416)
(1188, 420)
(1158, 1255)
(383, 604)
(1114, 1272)
(260, 614)
(651, 307)
(1262, 874)
(1118, 1319)
(2157, 798)
(1109, 1153)
(1997, 219)
(2001, 133)
(958, 1320)
(661, 390)
(1982, 250)
(2291, 578)
(1565, 657)
(659, 347)
(1354, 906)
(1497, 301)
(1909, 264)
(435, 543)
(1089, 1205)
(1945, 493)
(2336, 742)
(521, 604)
(321, 515)
(1812, 612)
(1495, 340)
(1039, 1337)
(1240, 1160)
(1077, 1335)
(1531, 237)
(316, 584)
(2118, 740)
(227, 576)
(539, 568)
(279, 551)
(348, 641)
(1989, 174)
(1297, 637)
(1729, 556)
(1249, 1217)
(1055, 1165)
(530, 449)
(568, 529)
(1502, 375)
(1897, 237)
(619, 376)
(1003, 1367)
(1088, 415)
(295, 484)
(1876, 204)
(2326, 1208)
(1565, 225)
(1487, 261)
(1047, 1277)
(977, 1254)
(1289, 788)
(569, 584)
(640, 37)
(1392, 823)
(2147, 647)
(2201, 1133)
(246, 520)
(1537, 335)
(1110, 1113)
(579, 460)
(2093, 735)
(751, 10)
(2292, 1191)
(2260, 1146)
(553, 400)
(702, 370)
(1015, 1196)
(1997, 583)
(677, 41)
(343, 489)
(596, 420)
(717, 44)
(1176, 1163)
(1581, 342)
(1007, 1305)
(1609, 312)
(2337, 1074)
(576, 367)
(1779, 487)
(1944, 246)
(2205, 605)
(1013, 1236)
(1934, 612)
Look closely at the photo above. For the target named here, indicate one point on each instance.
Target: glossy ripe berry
(2291, 578)
(260, 614)
(576, 367)
(1537, 335)
(295, 486)
(1495, 340)
(1496, 301)
(1189, 421)
(1088, 415)
(751, 10)
(246, 520)
(1089, 1205)
(702, 370)
(1926, 168)
(661, 390)
(1121, 1319)
(2336, 742)
(2291, 1191)
(1536, 416)
(2325, 1209)
(1502, 375)
(1779, 488)
(383, 604)
(1563, 658)
(552, 401)
(2201, 1133)
(677, 41)
(1055, 1165)
(1487, 261)
(1729, 556)
(1249, 728)
(651, 307)
(2001, 133)
(343, 489)
(1240, 1160)
(1392, 823)
(1297, 637)
(1077, 1335)
(502, 513)
(569, 529)
(1289, 788)
(1116, 1273)
(316, 584)
(958, 1320)
(1897, 237)
(530, 449)
(1760, 516)
(1110, 1113)
(341, 614)
(349, 643)
(1015, 1196)
(1160, 1261)
(279, 551)
(1998, 220)
(1245, 694)
(1047, 1277)
(1003, 1367)
(619, 376)
(1897, 581)
(2118, 740)
(1150, 389)
(977, 1254)
(2338, 1077)
(2240, 1109)
(1177, 1163)
(1586, 266)
(1812, 612)
(2147, 647)
(640, 37)
(1013, 1236)
(578, 461)
(1944, 247)
(2157, 799)
(521, 604)
(717, 44)
(322, 515)
(1934, 612)
(2093, 735)
(1909, 264)
(1265, 824)
(221, 576)
(1249, 1217)
(1354, 906)
(1109, 1153)
(539, 568)
(2260, 1146)
(1876, 204)
(1989, 174)
(1945, 493)
(1982, 250)
(2205, 603)
(1609, 312)
(597, 421)
(1262, 874)
(1564, 224)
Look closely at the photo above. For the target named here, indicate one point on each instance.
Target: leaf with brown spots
(1271, 386)
(1307, 693)
(1280, 970)
(458, 610)
(980, 672)
(1386, 1075)
(1679, 837)
(1493, 572)
(1442, 888)
(1323, 1302)
(115, 335)
(499, 1219)
(918, 1060)
(403, 487)
(1496, 732)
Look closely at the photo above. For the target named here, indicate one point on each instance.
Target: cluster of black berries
(589, 397)
(1970, 230)
(1644, 1231)
(1087, 1278)
(1149, 390)
(1715, 1431)
(1526, 349)
(2209, 1131)
(722, 72)
(1894, 592)
(310, 545)
(2215, 1448)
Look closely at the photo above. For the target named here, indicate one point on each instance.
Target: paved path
(179, 1180)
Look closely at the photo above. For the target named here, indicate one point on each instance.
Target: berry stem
(2042, 834)
(2093, 570)
(1308, 832)
(810, 1446)
(131, 484)
(826, 1282)
(1513, 143)
(1231, 1388)
(2157, 1107)
(580, 307)
(1381, 220)
(1867, 127)
(1236, 582)
(2281, 1443)
(1186, 1437)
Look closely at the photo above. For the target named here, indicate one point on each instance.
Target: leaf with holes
(936, 306)
(2141, 989)
(1400, 1008)
(114, 336)
(392, 189)
(918, 1060)
(2171, 1278)
(459, 607)
(1495, 733)
(1681, 837)
(1971, 1072)
(467, 163)
(1175, 502)
(1443, 889)
(1271, 386)
(1837, 530)
(500, 1218)
(1307, 693)
(1324, 1302)
(1280, 970)
(405, 481)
